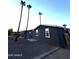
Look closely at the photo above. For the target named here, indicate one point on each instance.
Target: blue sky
(54, 11)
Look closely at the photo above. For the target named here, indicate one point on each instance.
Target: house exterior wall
(60, 33)
(40, 34)
(29, 34)
(56, 35)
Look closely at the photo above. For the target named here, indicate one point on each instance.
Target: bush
(10, 31)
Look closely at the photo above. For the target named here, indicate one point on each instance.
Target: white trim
(47, 32)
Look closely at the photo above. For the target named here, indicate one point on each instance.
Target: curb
(47, 53)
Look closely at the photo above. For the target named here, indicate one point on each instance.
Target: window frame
(36, 32)
(47, 33)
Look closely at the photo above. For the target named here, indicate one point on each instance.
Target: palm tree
(40, 17)
(64, 25)
(22, 4)
(28, 6)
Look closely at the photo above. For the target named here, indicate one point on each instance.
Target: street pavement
(30, 49)
(59, 54)
(27, 49)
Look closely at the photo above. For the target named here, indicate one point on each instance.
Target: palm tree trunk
(40, 19)
(27, 22)
(20, 17)
(17, 35)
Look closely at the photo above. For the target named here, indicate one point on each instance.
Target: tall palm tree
(22, 4)
(40, 17)
(28, 6)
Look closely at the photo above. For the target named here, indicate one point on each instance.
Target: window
(47, 34)
(29, 32)
(36, 32)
